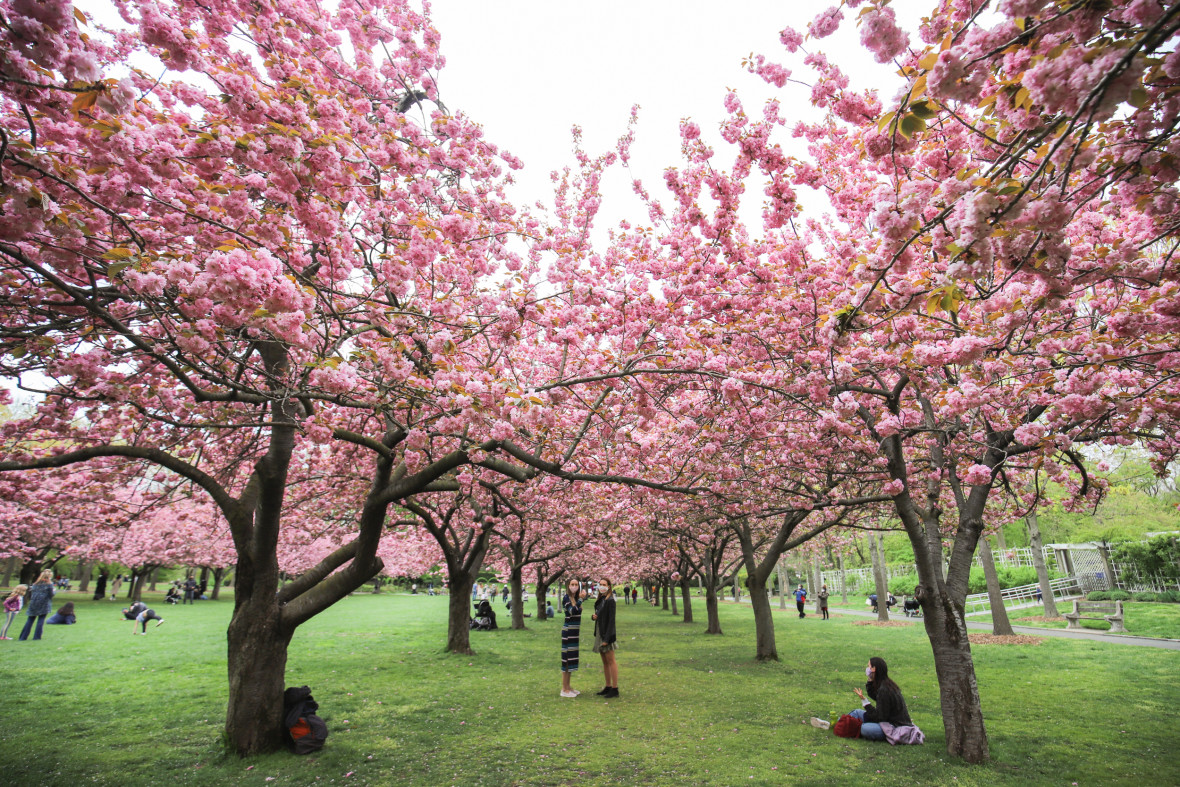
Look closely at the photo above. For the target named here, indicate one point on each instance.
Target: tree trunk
(257, 650)
(218, 573)
(819, 582)
(30, 570)
(686, 597)
(764, 648)
(672, 596)
(542, 592)
(516, 584)
(737, 593)
(155, 573)
(1038, 556)
(1000, 545)
(843, 580)
(87, 568)
(1000, 623)
(781, 571)
(136, 591)
(879, 579)
(962, 718)
(714, 621)
(9, 567)
(663, 591)
(459, 615)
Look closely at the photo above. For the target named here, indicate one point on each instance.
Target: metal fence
(1062, 588)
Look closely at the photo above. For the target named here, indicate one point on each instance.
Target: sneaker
(820, 724)
(614, 692)
(161, 623)
(570, 694)
(605, 690)
(576, 692)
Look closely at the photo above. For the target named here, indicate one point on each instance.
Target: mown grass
(1141, 618)
(90, 704)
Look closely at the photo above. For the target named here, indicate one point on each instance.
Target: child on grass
(12, 605)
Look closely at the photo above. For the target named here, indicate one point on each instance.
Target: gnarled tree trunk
(1038, 557)
(764, 647)
(1000, 623)
(459, 615)
(713, 625)
(879, 574)
(516, 586)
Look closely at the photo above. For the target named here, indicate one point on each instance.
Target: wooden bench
(1110, 611)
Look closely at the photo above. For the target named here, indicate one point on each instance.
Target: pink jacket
(909, 735)
(13, 604)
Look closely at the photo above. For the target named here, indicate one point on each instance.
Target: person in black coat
(100, 587)
(605, 641)
(890, 705)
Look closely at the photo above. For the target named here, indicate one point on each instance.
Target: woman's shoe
(569, 694)
(613, 692)
(820, 724)
(605, 691)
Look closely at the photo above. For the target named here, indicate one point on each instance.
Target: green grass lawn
(91, 704)
(1142, 618)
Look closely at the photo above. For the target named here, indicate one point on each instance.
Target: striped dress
(570, 631)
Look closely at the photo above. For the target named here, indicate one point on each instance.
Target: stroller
(485, 617)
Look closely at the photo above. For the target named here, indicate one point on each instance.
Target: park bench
(1110, 611)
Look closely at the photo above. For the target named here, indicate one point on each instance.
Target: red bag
(847, 726)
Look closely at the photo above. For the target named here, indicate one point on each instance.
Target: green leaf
(924, 109)
(910, 125)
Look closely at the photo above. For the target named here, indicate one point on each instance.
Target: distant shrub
(903, 585)
(1144, 596)
(1120, 595)
(1098, 595)
(1169, 596)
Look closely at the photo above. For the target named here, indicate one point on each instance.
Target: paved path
(1087, 634)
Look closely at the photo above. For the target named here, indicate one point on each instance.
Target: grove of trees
(274, 304)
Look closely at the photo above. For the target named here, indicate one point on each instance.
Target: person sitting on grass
(889, 720)
(64, 616)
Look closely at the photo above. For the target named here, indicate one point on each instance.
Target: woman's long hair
(610, 588)
(46, 576)
(66, 609)
(881, 675)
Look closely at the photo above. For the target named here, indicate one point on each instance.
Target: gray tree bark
(1000, 623)
(843, 581)
(1038, 557)
(879, 579)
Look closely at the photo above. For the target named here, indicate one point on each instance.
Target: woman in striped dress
(571, 602)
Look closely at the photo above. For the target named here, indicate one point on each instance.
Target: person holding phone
(571, 631)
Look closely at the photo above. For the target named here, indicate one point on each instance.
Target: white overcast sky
(528, 70)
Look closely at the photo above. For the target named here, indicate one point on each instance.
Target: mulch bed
(979, 638)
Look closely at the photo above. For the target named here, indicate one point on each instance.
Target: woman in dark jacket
(38, 605)
(64, 616)
(890, 705)
(605, 641)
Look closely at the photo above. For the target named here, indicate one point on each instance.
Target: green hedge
(1167, 596)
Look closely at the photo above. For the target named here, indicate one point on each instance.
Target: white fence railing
(1024, 594)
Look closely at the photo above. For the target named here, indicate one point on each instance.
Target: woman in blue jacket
(38, 604)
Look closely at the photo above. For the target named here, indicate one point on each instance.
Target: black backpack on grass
(306, 732)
